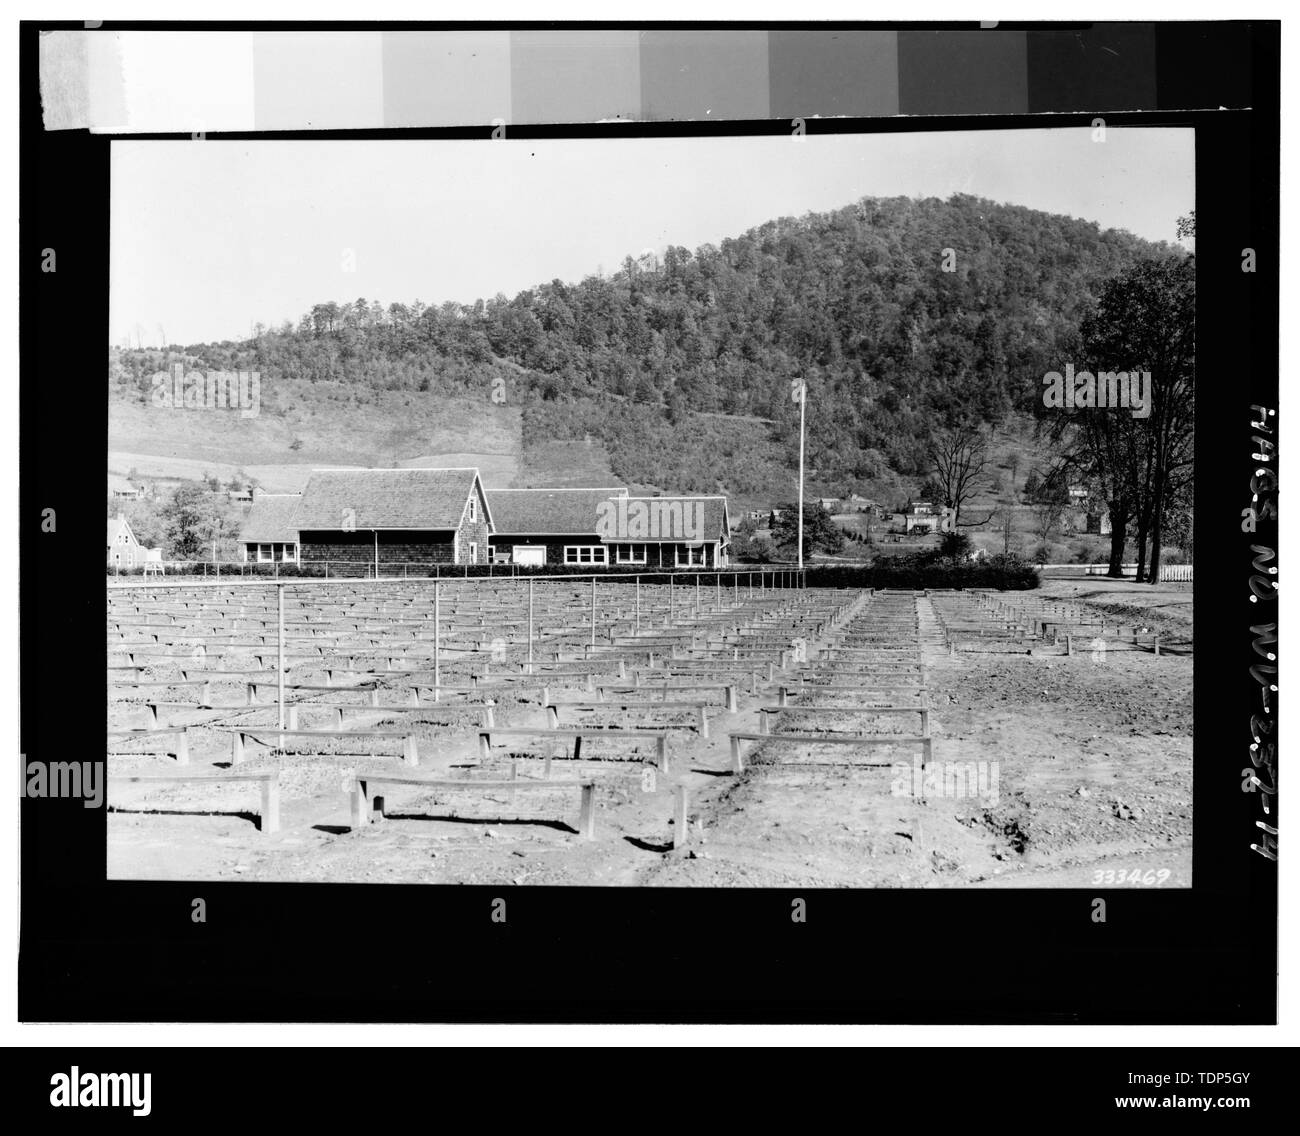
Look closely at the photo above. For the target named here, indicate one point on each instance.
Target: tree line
(905, 317)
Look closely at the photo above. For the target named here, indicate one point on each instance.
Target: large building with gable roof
(386, 521)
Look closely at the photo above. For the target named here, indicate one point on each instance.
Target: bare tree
(1049, 510)
(1007, 528)
(958, 458)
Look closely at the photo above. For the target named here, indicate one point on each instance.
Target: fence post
(530, 625)
(638, 603)
(437, 643)
(593, 613)
(681, 829)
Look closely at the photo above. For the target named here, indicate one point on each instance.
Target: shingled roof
(386, 499)
(273, 519)
(715, 521)
(548, 512)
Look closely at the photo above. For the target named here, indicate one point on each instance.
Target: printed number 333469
(1150, 877)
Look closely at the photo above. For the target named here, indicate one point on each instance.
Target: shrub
(1001, 572)
(955, 546)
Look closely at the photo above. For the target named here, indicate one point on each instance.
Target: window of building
(290, 553)
(629, 554)
(265, 553)
(690, 556)
(586, 554)
(473, 509)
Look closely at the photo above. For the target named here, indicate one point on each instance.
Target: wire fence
(218, 574)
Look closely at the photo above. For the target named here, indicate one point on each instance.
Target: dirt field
(1086, 762)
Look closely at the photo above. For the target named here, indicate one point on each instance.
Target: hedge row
(1001, 573)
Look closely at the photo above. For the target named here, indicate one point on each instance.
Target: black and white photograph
(727, 529)
(731, 512)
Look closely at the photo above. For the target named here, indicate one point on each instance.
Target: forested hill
(903, 316)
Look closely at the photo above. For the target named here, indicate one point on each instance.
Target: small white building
(120, 489)
(925, 516)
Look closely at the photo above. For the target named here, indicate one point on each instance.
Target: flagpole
(803, 402)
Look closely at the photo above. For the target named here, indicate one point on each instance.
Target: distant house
(393, 517)
(538, 527)
(920, 516)
(830, 504)
(119, 488)
(124, 550)
(270, 533)
(240, 496)
(927, 517)
(856, 503)
(1098, 523)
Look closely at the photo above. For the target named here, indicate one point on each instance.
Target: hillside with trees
(913, 322)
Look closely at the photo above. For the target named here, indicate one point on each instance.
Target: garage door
(530, 555)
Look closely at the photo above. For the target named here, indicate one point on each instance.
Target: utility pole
(803, 402)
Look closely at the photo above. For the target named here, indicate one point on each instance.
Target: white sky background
(209, 237)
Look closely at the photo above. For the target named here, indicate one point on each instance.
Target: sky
(209, 237)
